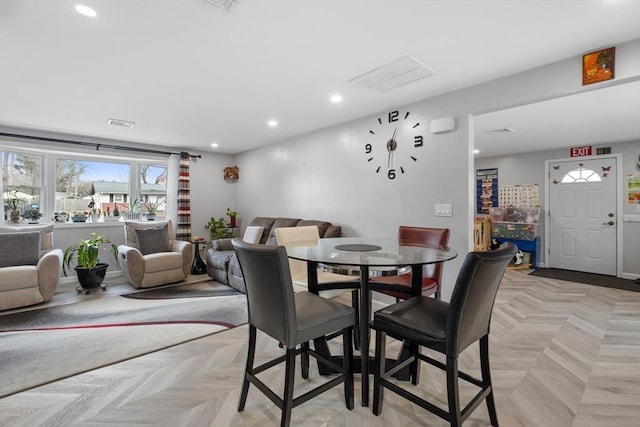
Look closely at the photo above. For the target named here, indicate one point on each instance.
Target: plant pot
(15, 216)
(151, 217)
(91, 278)
(79, 218)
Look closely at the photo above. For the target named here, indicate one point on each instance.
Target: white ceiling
(189, 74)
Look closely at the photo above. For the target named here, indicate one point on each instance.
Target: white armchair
(29, 266)
(151, 256)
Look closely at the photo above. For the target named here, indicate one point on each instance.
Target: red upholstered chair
(431, 273)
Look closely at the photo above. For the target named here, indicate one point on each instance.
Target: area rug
(588, 278)
(194, 290)
(45, 345)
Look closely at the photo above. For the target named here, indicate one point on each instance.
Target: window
(581, 175)
(153, 189)
(91, 186)
(21, 182)
(54, 182)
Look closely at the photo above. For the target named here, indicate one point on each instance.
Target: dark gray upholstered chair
(293, 320)
(447, 328)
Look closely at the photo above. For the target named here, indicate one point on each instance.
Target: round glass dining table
(366, 257)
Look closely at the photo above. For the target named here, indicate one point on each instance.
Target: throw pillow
(153, 240)
(253, 234)
(19, 249)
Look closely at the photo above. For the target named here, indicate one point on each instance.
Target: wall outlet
(443, 209)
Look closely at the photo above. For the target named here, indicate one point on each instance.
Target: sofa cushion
(280, 222)
(266, 223)
(45, 230)
(131, 226)
(152, 240)
(253, 234)
(322, 225)
(19, 249)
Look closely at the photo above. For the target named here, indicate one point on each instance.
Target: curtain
(183, 228)
(173, 175)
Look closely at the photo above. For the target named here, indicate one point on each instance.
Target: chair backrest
(46, 234)
(417, 236)
(269, 290)
(469, 313)
(130, 228)
(298, 236)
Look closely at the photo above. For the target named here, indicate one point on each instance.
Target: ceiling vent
(500, 131)
(121, 123)
(225, 5)
(395, 74)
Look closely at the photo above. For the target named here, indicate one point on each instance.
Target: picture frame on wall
(599, 66)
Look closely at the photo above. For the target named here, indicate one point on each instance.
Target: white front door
(582, 215)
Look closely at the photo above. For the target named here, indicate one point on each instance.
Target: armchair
(29, 266)
(151, 256)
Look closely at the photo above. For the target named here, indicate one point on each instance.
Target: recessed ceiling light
(476, 151)
(214, 144)
(85, 10)
(272, 123)
(336, 99)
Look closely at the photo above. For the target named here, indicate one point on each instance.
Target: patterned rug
(39, 346)
(194, 290)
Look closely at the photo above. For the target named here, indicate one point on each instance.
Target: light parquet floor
(562, 354)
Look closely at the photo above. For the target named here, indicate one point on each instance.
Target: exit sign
(580, 151)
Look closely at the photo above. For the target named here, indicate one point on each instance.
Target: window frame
(49, 158)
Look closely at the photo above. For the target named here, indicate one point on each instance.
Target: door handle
(608, 223)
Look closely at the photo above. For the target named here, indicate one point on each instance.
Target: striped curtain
(183, 229)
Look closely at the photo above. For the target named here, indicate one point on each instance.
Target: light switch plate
(443, 209)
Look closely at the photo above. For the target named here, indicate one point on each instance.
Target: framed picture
(599, 66)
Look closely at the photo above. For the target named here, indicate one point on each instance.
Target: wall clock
(394, 143)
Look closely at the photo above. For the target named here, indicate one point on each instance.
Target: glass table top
(374, 252)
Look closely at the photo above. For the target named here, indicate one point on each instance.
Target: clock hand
(391, 145)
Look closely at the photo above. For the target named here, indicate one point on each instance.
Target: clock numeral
(418, 141)
(393, 116)
(391, 174)
(379, 120)
(367, 148)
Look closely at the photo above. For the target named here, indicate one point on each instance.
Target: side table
(198, 266)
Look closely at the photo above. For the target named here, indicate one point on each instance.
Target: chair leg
(453, 396)
(415, 366)
(347, 367)
(249, 367)
(378, 372)
(355, 303)
(304, 360)
(486, 379)
(289, 376)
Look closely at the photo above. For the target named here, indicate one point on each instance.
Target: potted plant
(32, 215)
(217, 228)
(79, 217)
(132, 212)
(89, 270)
(152, 207)
(232, 217)
(12, 200)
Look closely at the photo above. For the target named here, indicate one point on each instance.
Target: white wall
(324, 175)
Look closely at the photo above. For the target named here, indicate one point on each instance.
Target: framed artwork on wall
(599, 66)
